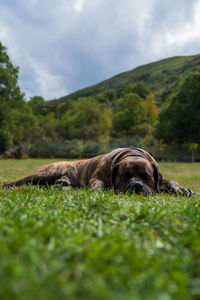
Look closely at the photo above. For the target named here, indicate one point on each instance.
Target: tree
(150, 113)
(139, 88)
(179, 120)
(11, 97)
(136, 111)
(108, 97)
(9, 90)
(5, 135)
(85, 119)
(135, 114)
(17, 122)
(37, 104)
(129, 114)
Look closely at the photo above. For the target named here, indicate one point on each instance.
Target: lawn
(98, 245)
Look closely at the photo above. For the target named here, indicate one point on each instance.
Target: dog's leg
(172, 187)
(96, 184)
(32, 179)
(64, 183)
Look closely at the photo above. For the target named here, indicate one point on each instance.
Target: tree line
(92, 125)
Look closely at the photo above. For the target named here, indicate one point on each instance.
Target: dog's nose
(137, 188)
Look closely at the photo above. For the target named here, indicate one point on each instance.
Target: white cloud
(79, 6)
(49, 84)
(3, 32)
(188, 31)
(46, 82)
(65, 45)
(10, 42)
(172, 32)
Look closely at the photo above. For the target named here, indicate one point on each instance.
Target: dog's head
(136, 174)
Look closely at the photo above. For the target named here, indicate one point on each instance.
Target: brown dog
(125, 169)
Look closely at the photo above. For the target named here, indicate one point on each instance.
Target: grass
(98, 245)
(160, 76)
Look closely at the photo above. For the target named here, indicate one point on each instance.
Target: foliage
(150, 115)
(86, 118)
(139, 88)
(98, 245)
(9, 91)
(17, 123)
(10, 96)
(108, 97)
(136, 111)
(179, 120)
(37, 104)
(129, 114)
(161, 77)
(64, 148)
(123, 111)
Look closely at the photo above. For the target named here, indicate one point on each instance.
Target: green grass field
(98, 245)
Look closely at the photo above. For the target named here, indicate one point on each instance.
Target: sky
(64, 45)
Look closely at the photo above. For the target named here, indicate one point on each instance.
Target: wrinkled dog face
(134, 175)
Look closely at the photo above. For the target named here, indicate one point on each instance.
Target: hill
(161, 77)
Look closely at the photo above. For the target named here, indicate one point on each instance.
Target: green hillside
(118, 112)
(161, 77)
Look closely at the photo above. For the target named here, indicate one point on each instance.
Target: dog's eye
(146, 175)
(125, 175)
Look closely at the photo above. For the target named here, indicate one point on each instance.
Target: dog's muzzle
(137, 187)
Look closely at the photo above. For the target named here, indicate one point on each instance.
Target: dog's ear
(112, 175)
(157, 176)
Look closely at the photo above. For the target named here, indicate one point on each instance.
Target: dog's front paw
(182, 191)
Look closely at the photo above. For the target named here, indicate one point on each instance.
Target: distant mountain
(161, 77)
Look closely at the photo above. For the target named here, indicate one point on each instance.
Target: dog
(127, 170)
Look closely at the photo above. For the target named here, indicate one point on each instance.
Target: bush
(89, 148)
(64, 149)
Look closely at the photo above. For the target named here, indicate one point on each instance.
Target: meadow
(98, 245)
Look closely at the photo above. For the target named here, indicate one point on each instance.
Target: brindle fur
(124, 169)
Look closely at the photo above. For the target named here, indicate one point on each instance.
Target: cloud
(187, 32)
(46, 81)
(79, 6)
(176, 30)
(66, 45)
